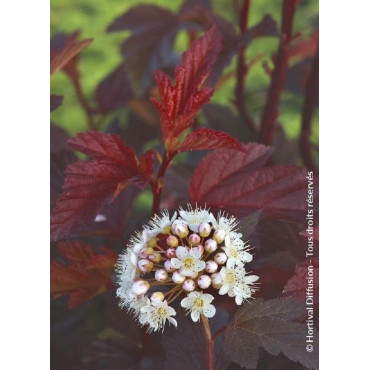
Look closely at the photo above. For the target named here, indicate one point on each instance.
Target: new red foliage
(86, 275)
(207, 139)
(179, 103)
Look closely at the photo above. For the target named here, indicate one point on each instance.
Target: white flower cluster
(184, 255)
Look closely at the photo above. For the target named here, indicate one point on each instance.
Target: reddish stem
(310, 102)
(242, 70)
(83, 102)
(158, 184)
(210, 342)
(271, 111)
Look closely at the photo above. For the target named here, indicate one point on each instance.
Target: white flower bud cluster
(187, 256)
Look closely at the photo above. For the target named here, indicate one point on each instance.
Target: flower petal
(230, 263)
(188, 273)
(238, 300)
(195, 253)
(209, 311)
(201, 265)
(133, 259)
(195, 315)
(186, 302)
(176, 263)
(181, 252)
(208, 298)
(224, 289)
(249, 279)
(172, 321)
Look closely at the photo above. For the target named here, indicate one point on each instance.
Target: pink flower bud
(144, 253)
(155, 257)
(172, 241)
(211, 266)
(188, 285)
(194, 239)
(177, 277)
(180, 229)
(210, 246)
(216, 280)
(145, 265)
(157, 297)
(168, 266)
(161, 275)
(171, 252)
(204, 229)
(219, 235)
(220, 258)
(140, 287)
(204, 281)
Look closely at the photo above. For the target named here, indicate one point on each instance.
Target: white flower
(142, 239)
(236, 252)
(162, 223)
(198, 303)
(188, 262)
(195, 217)
(227, 224)
(155, 314)
(236, 283)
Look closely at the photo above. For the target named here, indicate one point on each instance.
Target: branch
(242, 71)
(271, 111)
(310, 102)
(83, 102)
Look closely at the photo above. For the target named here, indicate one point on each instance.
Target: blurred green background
(92, 17)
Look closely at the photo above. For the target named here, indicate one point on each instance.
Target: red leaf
(297, 285)
(87, 187)
(75, 251)
(55, 101)
(114, 90)
(235, 181)
(87, 276)
(218, 166)
(91, 184)
(147, 163)
(179, 103)
(149, 46)
(100, 145)
(207, 139)
(63, 49)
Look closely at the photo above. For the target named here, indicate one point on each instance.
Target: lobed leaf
(219, 166)
(236, 181)
(149, 47)
(87, 274)
(114, 91)
(207, 139)
(297, 285)
(267, 324)
(179, 103)
(90, 184)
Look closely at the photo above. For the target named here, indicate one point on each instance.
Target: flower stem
(210, 341)
(158, 183)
